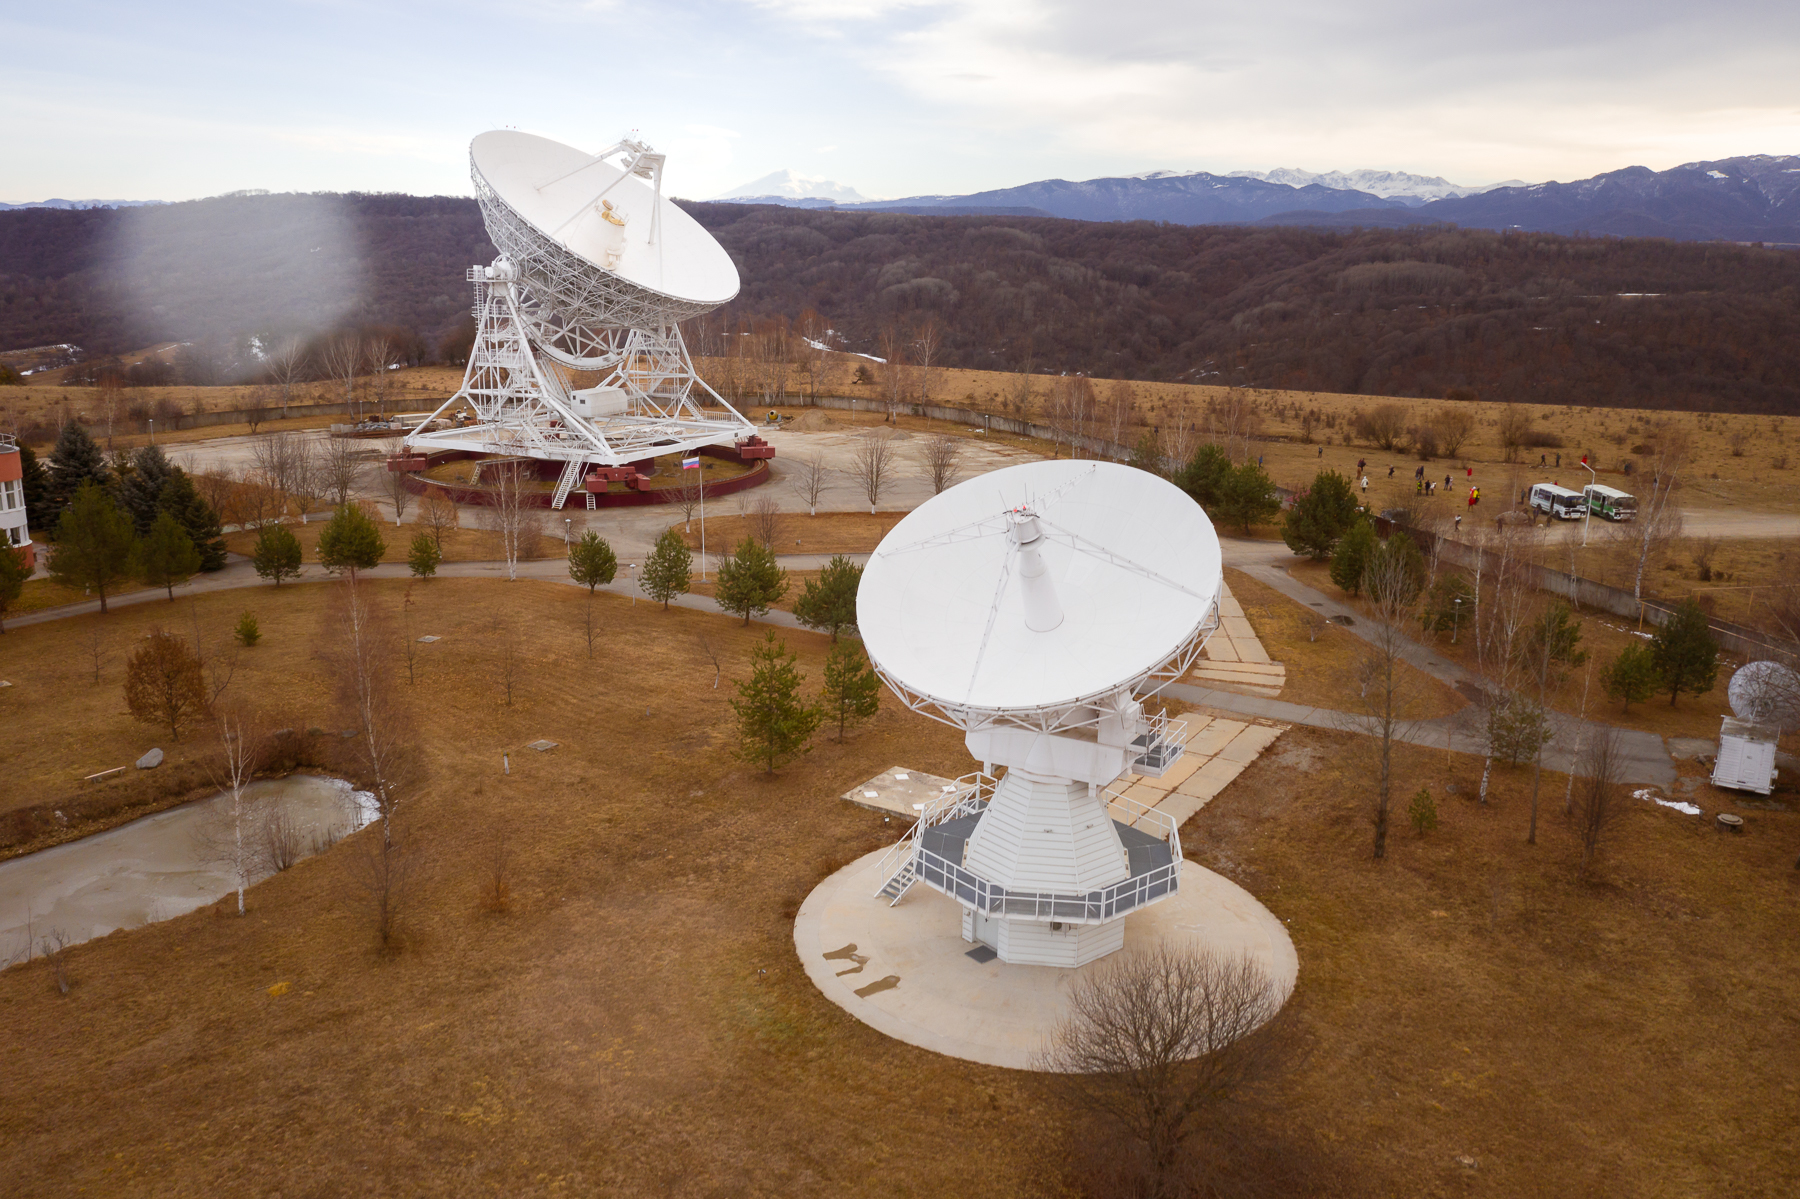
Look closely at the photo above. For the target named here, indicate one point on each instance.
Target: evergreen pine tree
(1321, 514)
(1246, 495)
(350, 541)
(246, 631)
(1204, 476)
(423, 558)
(774, 723)
(277, 553)
(166, 556)
(666, 570)
(750, 580)
(852, 688)
(13, 574)
(75, 460)
(140, 486)
(93, 542)
(592, 562)
(1686, 656)
(1351, 558)
(182, 501)
(1405, 552)
(39, 513)
(829, 601)
(1632, 677)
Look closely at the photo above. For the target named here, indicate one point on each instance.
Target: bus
(1608, 503)
(1558, 503)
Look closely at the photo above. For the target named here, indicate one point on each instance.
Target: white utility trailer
(1746, 756)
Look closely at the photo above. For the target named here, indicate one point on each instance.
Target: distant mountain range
(795, 191)
(77, 205)
(1751, 198)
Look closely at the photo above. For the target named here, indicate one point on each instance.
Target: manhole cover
(541, 746)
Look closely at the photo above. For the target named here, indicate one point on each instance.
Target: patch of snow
(1718, 174)
(1649, 793)
(1386, 184)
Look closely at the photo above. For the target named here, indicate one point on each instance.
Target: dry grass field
(1485, 1021)
(637, 1023)
(1321, 669)
(797, 533)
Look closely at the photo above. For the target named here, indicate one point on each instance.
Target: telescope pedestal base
(906, 971)
(1035, 943)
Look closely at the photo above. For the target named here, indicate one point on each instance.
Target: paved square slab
(1215, 737)
(899, 791)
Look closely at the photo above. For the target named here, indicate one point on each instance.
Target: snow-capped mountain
(1389, 185)
(787, 187)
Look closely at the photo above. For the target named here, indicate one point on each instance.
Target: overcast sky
(893, 97)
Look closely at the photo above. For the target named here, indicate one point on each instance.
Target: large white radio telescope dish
(1766, 693)
(950, 609)
(596, 236)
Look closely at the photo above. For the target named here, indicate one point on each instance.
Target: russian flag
(691, 463)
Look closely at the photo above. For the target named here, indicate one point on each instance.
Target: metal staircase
(899, 867)
(572, 474)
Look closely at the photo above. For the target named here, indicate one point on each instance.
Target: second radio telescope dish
(576, 223)
(1766, 693)
(1039, 585)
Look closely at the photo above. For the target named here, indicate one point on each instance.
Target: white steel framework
(544, 313)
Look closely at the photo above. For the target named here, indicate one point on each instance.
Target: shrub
(246, 631)
(1422, 811)
(1632, 677)
(1321, 514)
(1351, 558)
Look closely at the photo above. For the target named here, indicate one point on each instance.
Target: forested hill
(1415, 311)
(1523, 316)
(112, 280)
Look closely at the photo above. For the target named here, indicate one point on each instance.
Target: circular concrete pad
(904, 970)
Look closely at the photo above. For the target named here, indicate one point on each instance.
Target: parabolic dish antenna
(1027, 607)
(1766, 693)
(578, 357)
(1129, 561)
(598, 236)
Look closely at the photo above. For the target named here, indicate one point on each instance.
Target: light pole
(567, 522)
(1455, 619)
(1587, 502)
(153, 430)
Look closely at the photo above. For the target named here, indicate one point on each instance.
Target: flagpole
(700, 474)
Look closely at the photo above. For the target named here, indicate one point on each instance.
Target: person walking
(1559, 460)
(1321, 451)
(1390, 472)
(1365, 484)
(1471, 471)
(1459, 522)
(1446, 482)
(1360, 463)
(1542, 459)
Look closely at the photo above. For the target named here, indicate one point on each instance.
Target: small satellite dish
(1766, 693)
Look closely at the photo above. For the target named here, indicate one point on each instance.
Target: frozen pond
(168, 864)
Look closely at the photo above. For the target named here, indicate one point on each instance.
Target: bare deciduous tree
(893, 369)
(286, 366)
(380, 353)
(1598, 802)
(810, 478)
(1386, 707)
(340, 465)
(943, 454)
(509, 515)
(509, 667)
(382, 752)
(871, 461)
(233, 763)
(763, 520)
(687, 495)
(928, 339)
(393, 482)
(342, 358)
(437, 512)
(1121, 410)
(1658, 518)
(1159, 1042)
(1453, 428)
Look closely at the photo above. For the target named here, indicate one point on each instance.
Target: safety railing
(1092, 907)
(1159, 746)
(1133, 814)
(969, 794)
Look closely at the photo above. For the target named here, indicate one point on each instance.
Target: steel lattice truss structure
(544, 312)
